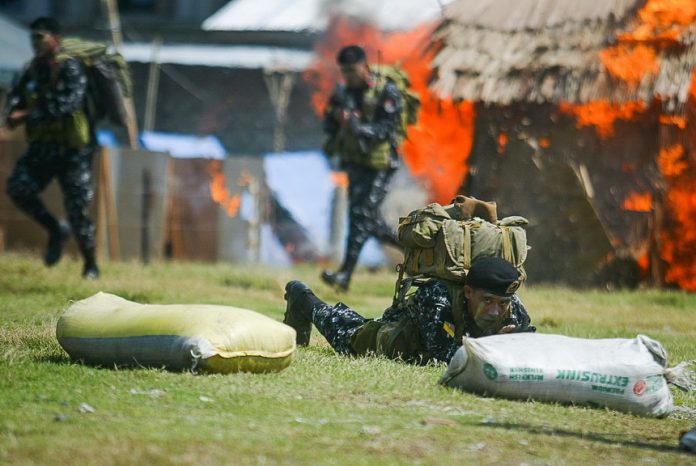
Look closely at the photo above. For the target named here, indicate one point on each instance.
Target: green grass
(323, 409)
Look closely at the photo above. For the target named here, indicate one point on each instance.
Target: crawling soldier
(428, 326)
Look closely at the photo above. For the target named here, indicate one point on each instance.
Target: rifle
(346, 102)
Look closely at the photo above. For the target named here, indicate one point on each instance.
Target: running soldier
(361, 122)
(49, 99)
(428, 326)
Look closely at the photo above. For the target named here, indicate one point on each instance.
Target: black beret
(495, 275)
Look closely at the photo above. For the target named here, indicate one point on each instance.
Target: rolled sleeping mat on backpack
(108, 330)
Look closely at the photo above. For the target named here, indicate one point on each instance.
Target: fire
(602, 114)
(437, 148)
(660, 26)
(670, 160)
(502, 142)
(630, 62)
(679, 240)
(664, 19)
(638, 202)
(339, 179)
(678, 237)
(676, 120)
(219, 192)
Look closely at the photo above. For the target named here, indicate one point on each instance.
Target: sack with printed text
(629, 375)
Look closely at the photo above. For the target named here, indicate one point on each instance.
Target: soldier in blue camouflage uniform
(49, 99)
(428, 326)
(361, 121)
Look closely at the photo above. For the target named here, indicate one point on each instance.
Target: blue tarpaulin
(183, 145)
(15, 50)
(301, 181)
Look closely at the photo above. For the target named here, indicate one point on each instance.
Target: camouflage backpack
(410, 99)
(443, 241)
(108, 79)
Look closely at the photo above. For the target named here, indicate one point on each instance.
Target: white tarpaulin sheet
(314, 15)
(224, 56)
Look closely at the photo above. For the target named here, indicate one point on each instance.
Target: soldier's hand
(507, 329)
(16, 118)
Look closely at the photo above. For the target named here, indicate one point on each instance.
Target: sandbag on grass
(108, 330)
(628, 375)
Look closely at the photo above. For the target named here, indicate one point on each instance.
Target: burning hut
(584, 123)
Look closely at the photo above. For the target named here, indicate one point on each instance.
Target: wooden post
(108, 204)
(254, 232)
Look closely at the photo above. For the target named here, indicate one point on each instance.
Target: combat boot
(340, 279)
(56, 241)
(298, 313)
(90, 271)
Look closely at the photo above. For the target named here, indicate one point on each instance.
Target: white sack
(624, 374)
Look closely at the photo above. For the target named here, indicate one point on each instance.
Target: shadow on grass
(66, 361)
(602, 438)
(62, 359)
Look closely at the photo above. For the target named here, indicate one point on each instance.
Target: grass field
(323, 409)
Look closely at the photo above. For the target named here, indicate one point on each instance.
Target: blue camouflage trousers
(73, 170)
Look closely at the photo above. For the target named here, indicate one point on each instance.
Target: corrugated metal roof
(269, 15)
(314, 15)
(230, 56)
(15, 49)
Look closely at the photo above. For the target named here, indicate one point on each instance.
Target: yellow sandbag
(105, 329)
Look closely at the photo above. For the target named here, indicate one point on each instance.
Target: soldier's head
(352, 61)
(490, 284)
(45, 36)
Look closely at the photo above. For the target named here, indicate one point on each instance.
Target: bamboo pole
(152, 87)
(111, 8)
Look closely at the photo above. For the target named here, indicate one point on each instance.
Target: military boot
(56, 241)
(90, 271)
(340, 279)
(298, 313)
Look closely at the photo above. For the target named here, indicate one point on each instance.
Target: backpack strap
(507, 245)
(467, 245)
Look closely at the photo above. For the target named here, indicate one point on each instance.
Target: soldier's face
(355, 75)
(44, 43)
(488, 310)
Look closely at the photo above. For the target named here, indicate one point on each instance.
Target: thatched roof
(503, 51)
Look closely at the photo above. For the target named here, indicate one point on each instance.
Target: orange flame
(678, 165)
(670, 160)
(339, 179)
(602, 114)
(630, 62)
(219, 192)
(660, 24)
(502, 142)
(437, 148)
(676, 120)
(679, 241)
(638, 202)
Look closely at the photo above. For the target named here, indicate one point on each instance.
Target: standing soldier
(361, 121)
(50, 100)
